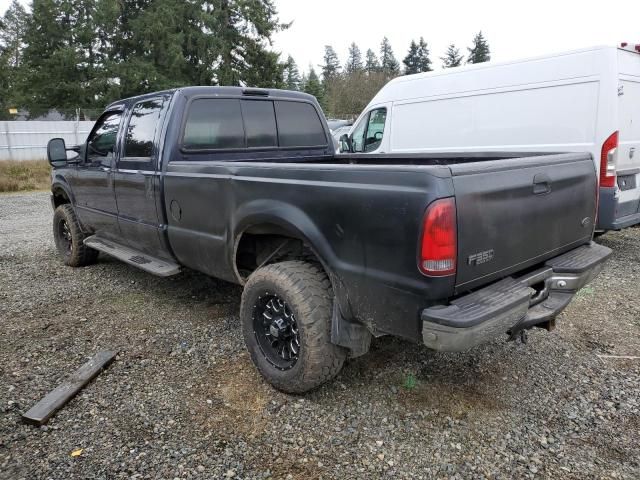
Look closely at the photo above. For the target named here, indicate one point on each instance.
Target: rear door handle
(541, 184)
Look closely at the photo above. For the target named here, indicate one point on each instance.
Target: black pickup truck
(244, 185)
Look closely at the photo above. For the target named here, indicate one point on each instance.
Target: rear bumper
(512, 304)
(616, 214)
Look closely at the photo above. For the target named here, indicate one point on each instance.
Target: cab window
(357, 137)
(101, 143)
(299, 125)
(141, 130)
(214, 123)
(367, 136)
(262, 124)
(259, 123)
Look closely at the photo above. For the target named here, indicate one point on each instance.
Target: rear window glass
(214, 123)
(259, 123)
(299, 125)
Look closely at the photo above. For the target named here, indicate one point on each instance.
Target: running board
(145, 262)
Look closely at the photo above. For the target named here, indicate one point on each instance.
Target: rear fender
(298, 225)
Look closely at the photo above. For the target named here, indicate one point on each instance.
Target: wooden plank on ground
(42, 411)
(624, 357)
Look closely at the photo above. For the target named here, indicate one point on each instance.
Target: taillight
(438, 246)
(608, 161)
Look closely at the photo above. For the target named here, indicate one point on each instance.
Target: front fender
(60, 183)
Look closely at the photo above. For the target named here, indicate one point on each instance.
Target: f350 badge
(480, 257)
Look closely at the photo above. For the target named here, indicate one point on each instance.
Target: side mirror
(57, 152)
(377, 136)
(345, 143)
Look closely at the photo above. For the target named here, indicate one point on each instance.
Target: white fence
(28, 140)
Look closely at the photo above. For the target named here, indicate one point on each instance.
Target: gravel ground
(182, 400)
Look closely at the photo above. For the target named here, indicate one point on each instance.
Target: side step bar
(153, 265)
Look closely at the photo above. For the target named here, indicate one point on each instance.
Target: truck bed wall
(363, 222)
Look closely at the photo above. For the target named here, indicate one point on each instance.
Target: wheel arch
(61, 192)
(292, 225)
(272, 224)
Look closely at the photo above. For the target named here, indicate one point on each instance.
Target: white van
(584, 100)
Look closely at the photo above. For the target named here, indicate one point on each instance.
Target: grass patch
(410, 382)
(21, 176)
(585, 292)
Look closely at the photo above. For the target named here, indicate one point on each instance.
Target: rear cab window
(238, 123)
(214, 124)
(299, 125)
(259, 123)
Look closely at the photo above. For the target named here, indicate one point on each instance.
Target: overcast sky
(514, 29)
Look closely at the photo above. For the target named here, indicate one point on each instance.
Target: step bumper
(512, 304)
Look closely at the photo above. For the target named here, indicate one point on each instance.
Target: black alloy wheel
(276, 331)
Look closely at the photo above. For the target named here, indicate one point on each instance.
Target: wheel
(69, 238)
(286, 321)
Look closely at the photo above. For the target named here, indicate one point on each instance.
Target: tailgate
(515, 213)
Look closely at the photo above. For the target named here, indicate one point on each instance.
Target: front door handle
(541, 184)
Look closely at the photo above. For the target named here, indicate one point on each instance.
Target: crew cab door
(136, 178)
(92, 183)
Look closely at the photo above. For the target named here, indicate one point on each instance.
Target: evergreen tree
(411, 60)
(354, 61)
(331, 66)
(479, 52)
(452, 57)
(264, 69)
(158, 44)
(371, 62)
(4, 80)
(291, 75)
(240, 31)
(86, 53)
(424, 62)
(167, 43)
(312, 86)
(62, 64)
(12, 33)
(388, 62)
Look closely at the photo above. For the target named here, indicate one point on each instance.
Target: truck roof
(192, 91)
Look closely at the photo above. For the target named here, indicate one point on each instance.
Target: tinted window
(259, 123)
(299, 125)
(142, 128)
(101, 143)
(214, 123)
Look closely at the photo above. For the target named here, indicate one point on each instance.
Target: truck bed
(363, 216)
